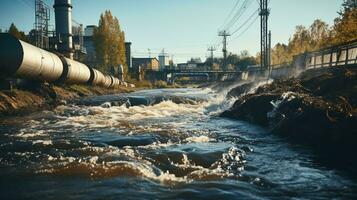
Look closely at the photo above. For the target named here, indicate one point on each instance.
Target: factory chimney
(63, 14)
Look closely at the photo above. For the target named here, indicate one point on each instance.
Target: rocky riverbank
(21, 100)
(318, 108)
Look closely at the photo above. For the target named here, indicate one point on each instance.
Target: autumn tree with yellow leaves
(109, 42)
(319, 35)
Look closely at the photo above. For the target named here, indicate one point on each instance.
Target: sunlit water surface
(166, 150)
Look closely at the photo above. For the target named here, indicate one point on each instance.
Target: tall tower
(212, 49)
(42, 19)
(264, 14)
(128, 54)
(224, 34)
(163, 60)
(63, 14)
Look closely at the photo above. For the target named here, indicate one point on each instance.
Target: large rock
(318, 108)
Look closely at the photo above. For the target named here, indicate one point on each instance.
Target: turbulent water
(156, 144)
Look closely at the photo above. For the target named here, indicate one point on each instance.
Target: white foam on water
(199, 139)
(260, 84)
(43, 142)
(116, 115)
(25, 133)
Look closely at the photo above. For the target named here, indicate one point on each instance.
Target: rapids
(156, 144)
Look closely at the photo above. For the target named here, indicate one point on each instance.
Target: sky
(185, 28)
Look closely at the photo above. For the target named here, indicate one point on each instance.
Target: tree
(279, 54)
(345, 27)
(244, 54)
(300, 42)
(244, 62)
(348, 5)
(109, 43)
(233, 59)
(16, 33)
(320, 34)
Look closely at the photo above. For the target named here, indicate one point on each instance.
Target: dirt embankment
(318, 108)
(19, 101)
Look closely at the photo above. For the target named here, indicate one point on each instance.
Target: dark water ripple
(171, 147)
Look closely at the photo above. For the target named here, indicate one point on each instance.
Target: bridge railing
(341, 55)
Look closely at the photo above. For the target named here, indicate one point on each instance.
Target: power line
(245, 30)
(238, 14)
(230, 13)
(244, 23)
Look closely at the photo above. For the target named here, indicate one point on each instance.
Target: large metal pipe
(19, 59)
(77, 73)
(63, 15)
(22, 60)
(97, 78)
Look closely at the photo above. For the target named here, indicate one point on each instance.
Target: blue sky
(184, 28)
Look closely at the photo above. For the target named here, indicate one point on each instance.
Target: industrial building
(148, 64)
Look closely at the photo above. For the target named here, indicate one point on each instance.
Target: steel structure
(41, 26)
(211, 50)
(224, 34)
(264, 46)
(78, 40)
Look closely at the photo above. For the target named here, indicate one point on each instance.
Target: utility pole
(264, 14)
(224, 34)
(269, 50)
(212, 49)
(149, 51)
(269, 55)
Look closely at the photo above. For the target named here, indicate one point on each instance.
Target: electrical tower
(224, 34)
(264, 14)
(42, 19)
(212, 49)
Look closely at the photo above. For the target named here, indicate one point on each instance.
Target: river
(174, 146)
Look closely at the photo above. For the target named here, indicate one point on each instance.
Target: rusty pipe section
(22, 60)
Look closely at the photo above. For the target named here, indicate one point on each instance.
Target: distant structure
(63, 14)
(211, 50)
(224, 34)
(41, 26)
(164, 60)
(121, 72)
(129, 59)
(148, 64)
(194, 64)
(78, 41)
(89, 30)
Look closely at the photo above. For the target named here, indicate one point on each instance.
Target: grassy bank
(20, 100)
(24, 100)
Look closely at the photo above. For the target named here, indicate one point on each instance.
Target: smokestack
(63, 14)
(128, 54)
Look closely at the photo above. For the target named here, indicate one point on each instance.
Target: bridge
(207, 76)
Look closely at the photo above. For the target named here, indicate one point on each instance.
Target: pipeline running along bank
(19, 59)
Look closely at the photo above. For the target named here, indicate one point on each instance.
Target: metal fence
(341, 55)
